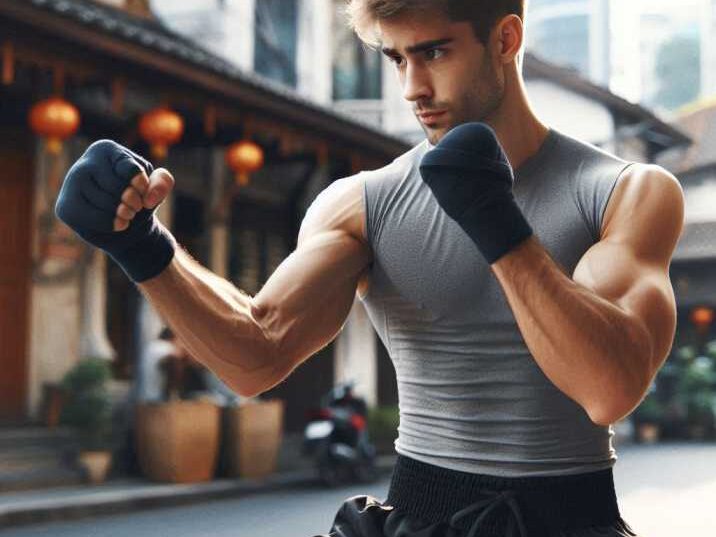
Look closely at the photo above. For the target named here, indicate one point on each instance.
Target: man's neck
(518, 129)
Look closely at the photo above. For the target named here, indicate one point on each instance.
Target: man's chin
(435, 135)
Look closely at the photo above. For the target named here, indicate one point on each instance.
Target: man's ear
(509, 34)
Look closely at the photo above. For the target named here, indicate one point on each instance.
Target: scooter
(336, 435)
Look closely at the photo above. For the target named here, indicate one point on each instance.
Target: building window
(356, 68)
(276, 23)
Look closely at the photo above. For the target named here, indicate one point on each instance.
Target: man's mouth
(430, 117)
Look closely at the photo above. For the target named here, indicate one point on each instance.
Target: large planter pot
(254, 434)
(95, 464)
(178, 441)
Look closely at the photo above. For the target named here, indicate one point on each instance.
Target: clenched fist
(109, 197)
(471, 179)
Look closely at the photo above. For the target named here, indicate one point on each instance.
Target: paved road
(668, 490)
(664, 491)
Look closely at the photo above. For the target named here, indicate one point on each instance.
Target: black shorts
(427, 501)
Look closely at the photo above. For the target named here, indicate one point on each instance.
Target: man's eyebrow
(420, 47)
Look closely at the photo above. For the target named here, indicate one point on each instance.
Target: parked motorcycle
(337, 436)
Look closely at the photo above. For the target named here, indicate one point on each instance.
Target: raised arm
(109, 198)
(253, 343)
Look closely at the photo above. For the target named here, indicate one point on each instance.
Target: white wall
(569, 112)
(699, 201)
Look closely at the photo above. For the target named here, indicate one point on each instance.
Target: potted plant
(87, 409)
(177, 437)
(647, 420)
(697, 395)
(383, 424)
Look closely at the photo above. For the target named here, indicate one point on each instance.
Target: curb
(151, 496)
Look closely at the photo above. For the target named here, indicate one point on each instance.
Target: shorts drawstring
(495, 500)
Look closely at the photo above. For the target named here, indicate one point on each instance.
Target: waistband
(499, 506)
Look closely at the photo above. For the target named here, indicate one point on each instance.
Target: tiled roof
(153, 34)
(700, 124)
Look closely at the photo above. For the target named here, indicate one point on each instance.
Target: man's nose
(416, 84)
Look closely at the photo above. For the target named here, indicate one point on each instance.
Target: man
(150, 384)
(523, 315)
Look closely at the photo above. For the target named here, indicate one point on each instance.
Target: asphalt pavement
(667, 490)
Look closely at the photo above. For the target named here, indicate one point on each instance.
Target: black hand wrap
(88, 201)
(471, 178)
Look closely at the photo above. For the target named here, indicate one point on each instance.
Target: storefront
(60, 301)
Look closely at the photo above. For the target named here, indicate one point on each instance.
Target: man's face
(442, 68)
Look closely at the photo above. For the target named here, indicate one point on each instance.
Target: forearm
(253, 343)
(213, 319)
(587, 346)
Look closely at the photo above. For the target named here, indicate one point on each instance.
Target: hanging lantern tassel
(119, 87)
(322, 153)
(56, 120)
(161, 128)
(8, 63)
(244, 158)
(210, 120)
(287, 141)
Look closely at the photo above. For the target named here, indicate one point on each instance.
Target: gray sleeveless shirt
(471, 396)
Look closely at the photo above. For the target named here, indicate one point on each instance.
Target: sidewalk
(65, 503)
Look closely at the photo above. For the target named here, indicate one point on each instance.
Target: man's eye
(396, 59)
(434, 53)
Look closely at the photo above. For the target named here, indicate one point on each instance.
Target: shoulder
(585, 148)
(399, 167)
(647, 207)
(341, 205)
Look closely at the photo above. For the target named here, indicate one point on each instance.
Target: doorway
(16, 188)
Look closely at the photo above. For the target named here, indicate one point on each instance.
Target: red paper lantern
(243, 158)
(161, 128)
(702, 317)
(54, 119)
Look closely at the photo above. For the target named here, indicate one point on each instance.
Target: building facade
(63, 302)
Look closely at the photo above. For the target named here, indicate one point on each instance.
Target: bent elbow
(249, 393)
(608, 412)
(262, 379)
(602, 418)
(248, 384)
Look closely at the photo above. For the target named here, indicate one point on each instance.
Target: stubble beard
(479, 103)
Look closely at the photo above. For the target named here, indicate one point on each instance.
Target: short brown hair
(483, 14)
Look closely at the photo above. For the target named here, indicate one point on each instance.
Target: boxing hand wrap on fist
(471, 178)
(88, 201)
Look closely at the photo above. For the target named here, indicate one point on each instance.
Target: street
(665, 491)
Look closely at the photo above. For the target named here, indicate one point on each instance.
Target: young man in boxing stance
(518, 278)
